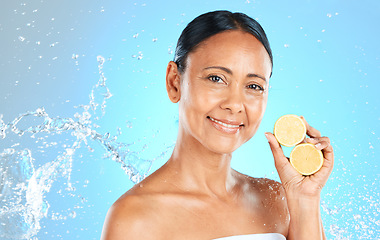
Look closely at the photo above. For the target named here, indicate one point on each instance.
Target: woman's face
(224, 90)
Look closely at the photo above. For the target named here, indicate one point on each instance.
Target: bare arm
(303, 192)
(305, 219)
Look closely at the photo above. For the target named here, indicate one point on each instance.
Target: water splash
(23, 186)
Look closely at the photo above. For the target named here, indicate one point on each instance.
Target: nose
(233, 100)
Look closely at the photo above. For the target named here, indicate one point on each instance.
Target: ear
(173, 82)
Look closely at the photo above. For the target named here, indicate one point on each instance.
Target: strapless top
(261, 236)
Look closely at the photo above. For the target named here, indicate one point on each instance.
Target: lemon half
(306, 159)
(289, 130)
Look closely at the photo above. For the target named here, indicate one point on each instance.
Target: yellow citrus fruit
(289, 130)
(306, 159)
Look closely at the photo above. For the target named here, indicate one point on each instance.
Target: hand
(294, 183)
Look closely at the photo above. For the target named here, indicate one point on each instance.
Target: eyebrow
(227, 70)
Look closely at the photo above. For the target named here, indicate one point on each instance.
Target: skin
(196, 194)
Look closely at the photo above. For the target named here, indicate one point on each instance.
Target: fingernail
(267, 136)
(318, 146)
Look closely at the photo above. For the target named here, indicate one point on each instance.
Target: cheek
(192, 104)
(256, 110)
(200, 99)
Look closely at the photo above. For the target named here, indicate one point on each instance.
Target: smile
(230, 127)
(225, 124)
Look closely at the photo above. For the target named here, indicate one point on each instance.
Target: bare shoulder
(267, 190)
(264, 185)
(130, 216)
(269, 187)
(270, 196)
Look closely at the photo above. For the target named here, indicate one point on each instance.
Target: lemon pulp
(306, 159)
(289, 130)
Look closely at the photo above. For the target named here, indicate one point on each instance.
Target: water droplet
(21, 38)
(100, 60)
(129, 124)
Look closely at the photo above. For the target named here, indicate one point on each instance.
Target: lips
(226, 126)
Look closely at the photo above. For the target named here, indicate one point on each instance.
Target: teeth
(224, 124)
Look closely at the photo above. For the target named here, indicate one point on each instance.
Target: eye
(215, 78)
(256, 87)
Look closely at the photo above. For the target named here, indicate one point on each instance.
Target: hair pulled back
(212, 23)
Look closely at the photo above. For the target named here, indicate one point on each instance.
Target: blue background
(326, 68)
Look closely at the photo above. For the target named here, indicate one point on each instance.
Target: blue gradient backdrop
(326, 68)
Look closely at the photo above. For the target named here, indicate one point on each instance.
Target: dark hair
(211, 23)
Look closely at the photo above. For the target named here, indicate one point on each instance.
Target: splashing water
(23, 187)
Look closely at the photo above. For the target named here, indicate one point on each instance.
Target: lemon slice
(306, 159)
(289, 130)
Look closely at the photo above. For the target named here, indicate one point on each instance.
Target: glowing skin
(222, 95)
(224, 91)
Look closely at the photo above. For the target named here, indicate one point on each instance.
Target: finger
(320, 143)
(323, 144)
(284, 168)
(328, 154)
(310, 131)
(274, 145)
(327, 167)
(278, 154)
(318, 139)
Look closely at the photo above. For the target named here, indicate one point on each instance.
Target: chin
(223, 148)
(226, 145)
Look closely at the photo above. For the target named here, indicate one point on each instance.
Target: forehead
(231, 48)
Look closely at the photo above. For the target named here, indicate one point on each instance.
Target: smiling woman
(220, 78)
(219, 84)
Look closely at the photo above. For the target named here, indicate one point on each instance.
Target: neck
(196, 168)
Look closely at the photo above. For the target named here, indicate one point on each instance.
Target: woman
(220, 78)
